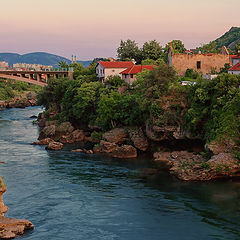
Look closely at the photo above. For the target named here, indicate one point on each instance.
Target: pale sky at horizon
(94, 28)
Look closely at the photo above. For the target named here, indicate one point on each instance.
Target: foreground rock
(10, 228)
(44, 141)
(83, 151)
(63, 133)
(117, 135)
(193, 167)
(113, 150)
(54, 146)
(124, 151)
(137, 137)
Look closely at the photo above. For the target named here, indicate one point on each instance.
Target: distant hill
(37, 58)
(229, 39)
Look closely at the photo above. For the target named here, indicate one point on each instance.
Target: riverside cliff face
(9, 227)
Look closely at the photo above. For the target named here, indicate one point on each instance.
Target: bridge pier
(39, 77)
(47, 77)
(30, 76)
(70, 75)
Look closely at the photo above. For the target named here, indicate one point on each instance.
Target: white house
(106, 69)
(235, 59)
(129, 75)
(235, 69)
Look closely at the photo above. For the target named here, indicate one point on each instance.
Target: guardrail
(70, 69)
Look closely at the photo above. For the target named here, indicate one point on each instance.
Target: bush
(96, 136)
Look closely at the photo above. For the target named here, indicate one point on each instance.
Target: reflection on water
(74, 196)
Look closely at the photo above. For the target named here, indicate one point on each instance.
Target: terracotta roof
(235, 67)
(235, 56)
(137, 69)
(116, 64)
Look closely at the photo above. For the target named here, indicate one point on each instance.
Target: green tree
(148, 62)
(114, 81)
(115, 109)
(209, 48)
(225, 68)
(84, 103)
(129, 50)
(157, 82)
(237, 46)
(63, 64)
(152, 50)
(177, 45)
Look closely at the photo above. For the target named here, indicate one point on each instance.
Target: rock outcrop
(63, 133)
(225, 146)
(44, 141)
(83, 151)
(124, 151)
(10, 228)
(113, 150)
(189, 166)
(137, 137)
(117, 135)
(55, 146)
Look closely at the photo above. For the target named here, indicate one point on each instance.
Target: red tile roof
(235, 67)
(235, 56)
(137, 69)
(116, 64)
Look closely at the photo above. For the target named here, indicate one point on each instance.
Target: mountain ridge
(43, 58)
(229, 38)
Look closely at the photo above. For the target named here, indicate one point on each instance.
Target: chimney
(133, 61)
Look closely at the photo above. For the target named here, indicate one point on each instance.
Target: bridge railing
(69, 69)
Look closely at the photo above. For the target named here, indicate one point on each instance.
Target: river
(74, 196)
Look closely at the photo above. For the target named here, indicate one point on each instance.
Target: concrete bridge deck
(39, 78)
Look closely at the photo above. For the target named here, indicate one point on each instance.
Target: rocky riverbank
(189, 164)
(118, 143)
(26, 99)
(9, 227)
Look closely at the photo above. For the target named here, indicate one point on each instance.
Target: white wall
(234, 72)
(100, 71)
(235, 61)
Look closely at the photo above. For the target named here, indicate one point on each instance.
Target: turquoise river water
(74, 196)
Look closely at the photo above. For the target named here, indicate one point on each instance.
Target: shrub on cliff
(214, 108)
(119, 109)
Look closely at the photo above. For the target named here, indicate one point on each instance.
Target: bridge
(39, 78)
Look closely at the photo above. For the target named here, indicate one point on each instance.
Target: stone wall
(207, 62)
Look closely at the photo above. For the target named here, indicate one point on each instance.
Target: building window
(131, 75)
(198, 64)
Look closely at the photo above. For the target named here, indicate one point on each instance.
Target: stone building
(203, 63)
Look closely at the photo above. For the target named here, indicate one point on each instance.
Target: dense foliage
(209, 110)
(151, 51)
(11, 88)
(229, 38)
(214, 111)
(85, 100)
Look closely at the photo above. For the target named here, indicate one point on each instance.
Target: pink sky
(94, 28)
